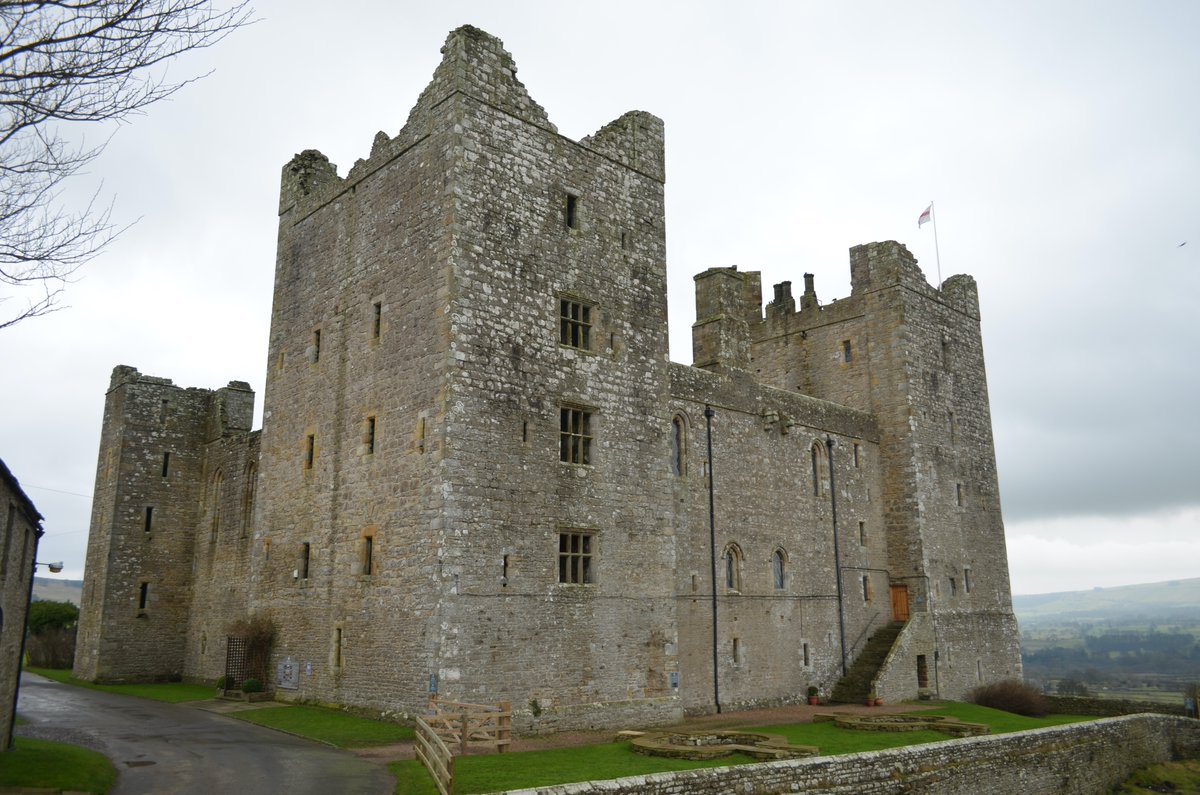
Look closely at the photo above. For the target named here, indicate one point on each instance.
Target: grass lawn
(327, 725)
(1182, 776)
(170, 692)
(833, 740)
(498, 772)
(56, 766)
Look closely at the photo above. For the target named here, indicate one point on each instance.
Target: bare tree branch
(65, 61)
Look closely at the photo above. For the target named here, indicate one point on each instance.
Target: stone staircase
(856, 684)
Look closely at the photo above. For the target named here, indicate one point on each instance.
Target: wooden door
(900, 603)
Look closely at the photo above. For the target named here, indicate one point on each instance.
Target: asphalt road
(168, 749)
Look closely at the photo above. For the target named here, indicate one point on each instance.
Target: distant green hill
(1160, 601)
(55, 589)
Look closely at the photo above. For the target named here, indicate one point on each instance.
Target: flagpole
(936, 252)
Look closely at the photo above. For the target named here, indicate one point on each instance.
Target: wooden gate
(900, 603)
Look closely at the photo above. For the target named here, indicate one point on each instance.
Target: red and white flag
(926, 216)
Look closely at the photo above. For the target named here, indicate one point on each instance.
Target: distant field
(50, 589)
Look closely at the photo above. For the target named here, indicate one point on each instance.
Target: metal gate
(236, 663)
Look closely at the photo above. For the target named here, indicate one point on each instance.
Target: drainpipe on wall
(837, 555)
(712, 539)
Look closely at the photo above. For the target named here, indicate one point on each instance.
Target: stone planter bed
(700, 745)
(905, 723)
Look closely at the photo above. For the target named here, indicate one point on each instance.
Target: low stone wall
(1108, 707)
(1075, 760)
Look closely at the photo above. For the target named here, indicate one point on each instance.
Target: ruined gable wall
(221, 560)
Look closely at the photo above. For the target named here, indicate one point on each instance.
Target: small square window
(575, 435)
(575, 324)
(575, 558)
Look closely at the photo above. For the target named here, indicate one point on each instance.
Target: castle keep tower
(479, 477)
(467, 329)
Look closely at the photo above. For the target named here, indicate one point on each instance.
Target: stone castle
(479, 475)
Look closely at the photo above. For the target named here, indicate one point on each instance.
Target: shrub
(252, 686)
(1011, 695)
(223, 683)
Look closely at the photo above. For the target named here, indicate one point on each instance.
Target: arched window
(820, 468)
(248, 498)
(778, 562)
(732, 560)
(678, 446)
(214, 502)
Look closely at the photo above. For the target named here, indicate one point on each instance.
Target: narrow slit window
(143, 595)
(677, 447)
(305, 556)
(504, 572)
(806, 661)
(166, 467)
(958, 493)
(575, 324)
(337, 647)
(310, 451)
(370, 436)
(316, 346)
(376, 320)
(847, 352)
(857, 454)
(967, 580)
(862, 533)
(572, 211)
(368, 561)
(149, 522)
(777, 569)
(737, 650)
(866, 588)
(953, 587)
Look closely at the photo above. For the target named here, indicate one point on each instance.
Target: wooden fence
(436, 757)
(460, 725)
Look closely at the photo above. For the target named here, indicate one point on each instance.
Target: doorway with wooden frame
(899, 602)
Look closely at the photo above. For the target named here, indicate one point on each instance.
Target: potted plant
(871, 699)
(812, 695)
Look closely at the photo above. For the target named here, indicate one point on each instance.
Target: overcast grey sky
(1059, 140)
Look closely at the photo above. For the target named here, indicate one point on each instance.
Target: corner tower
(152, 488)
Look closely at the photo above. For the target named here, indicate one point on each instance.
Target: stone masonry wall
(765, 500)
(540, 220)
(20, 529)
(150, 481)
(1079, 759)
